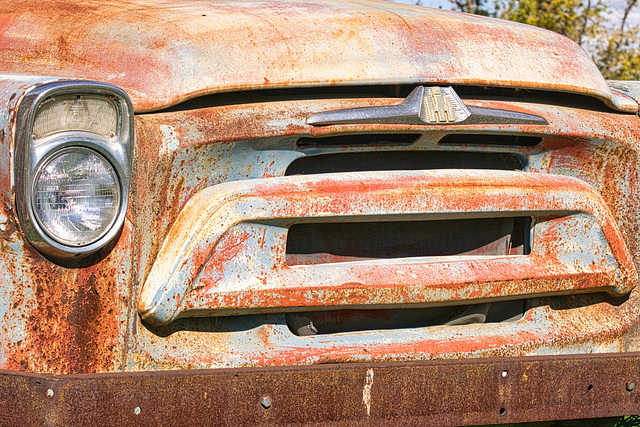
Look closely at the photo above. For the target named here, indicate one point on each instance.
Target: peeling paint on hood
(165, 52)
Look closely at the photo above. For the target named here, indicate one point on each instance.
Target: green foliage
(619, 58)
(631, 421)
(572, 18)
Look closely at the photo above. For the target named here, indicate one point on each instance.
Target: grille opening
(399, 91)
(322, 243)
(480, 139)
(367, 139)
(402, 160)
(334, 321)
(340, 321)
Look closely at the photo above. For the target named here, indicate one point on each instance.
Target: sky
(617, 8)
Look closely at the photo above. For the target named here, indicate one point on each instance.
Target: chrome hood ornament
(433, 105)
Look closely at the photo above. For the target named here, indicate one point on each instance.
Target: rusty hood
(165, 52)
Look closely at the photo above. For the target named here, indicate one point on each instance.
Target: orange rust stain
(228, 247)
(570, 153)
(75, 324)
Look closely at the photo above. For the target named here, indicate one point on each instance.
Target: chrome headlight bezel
(30, 157)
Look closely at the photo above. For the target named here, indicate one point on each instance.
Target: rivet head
(266, 402)
(504, 374)
(137, 410)
(50, 393)
(631, 385)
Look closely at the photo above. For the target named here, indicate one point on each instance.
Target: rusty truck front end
(301, 212)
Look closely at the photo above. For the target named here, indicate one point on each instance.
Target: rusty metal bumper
(437, 392)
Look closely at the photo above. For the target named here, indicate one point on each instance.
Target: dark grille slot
(386, 91)
(320, 243)
(479, 139)
(341, 321)
(360, 140)
(402, 160)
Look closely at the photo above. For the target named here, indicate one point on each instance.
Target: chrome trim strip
(425, 106)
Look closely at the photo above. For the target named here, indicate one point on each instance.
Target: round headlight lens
(76, 196)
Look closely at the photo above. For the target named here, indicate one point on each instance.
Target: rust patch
(277, 45)
(496, 391)
(218, 144)
(75, 321)
(228, 248)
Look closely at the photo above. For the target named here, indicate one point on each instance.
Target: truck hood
(165, 52)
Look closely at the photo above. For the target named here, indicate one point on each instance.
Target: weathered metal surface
(438, 393)
(560, 326)
(225, 253)
(162, 53)
(176, 148)
(53, 318)
(64, 320)
(82, 318)
(628, 87)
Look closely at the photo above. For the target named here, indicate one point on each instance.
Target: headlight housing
(73, 166)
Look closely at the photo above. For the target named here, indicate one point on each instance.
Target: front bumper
(437, 392)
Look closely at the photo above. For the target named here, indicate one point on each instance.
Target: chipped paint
(163, 53)
(212, 200)
(54, 319)
(585, 144)
(169, 143)
(196, 248)
(366, 391)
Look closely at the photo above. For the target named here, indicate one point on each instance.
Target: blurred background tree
(603, 30)
(618, 57)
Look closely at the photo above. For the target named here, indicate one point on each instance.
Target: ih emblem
(442, 105)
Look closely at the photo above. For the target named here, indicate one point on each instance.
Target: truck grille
(528, 232)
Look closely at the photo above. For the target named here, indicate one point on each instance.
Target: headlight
(76, 196)
(72, 170)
